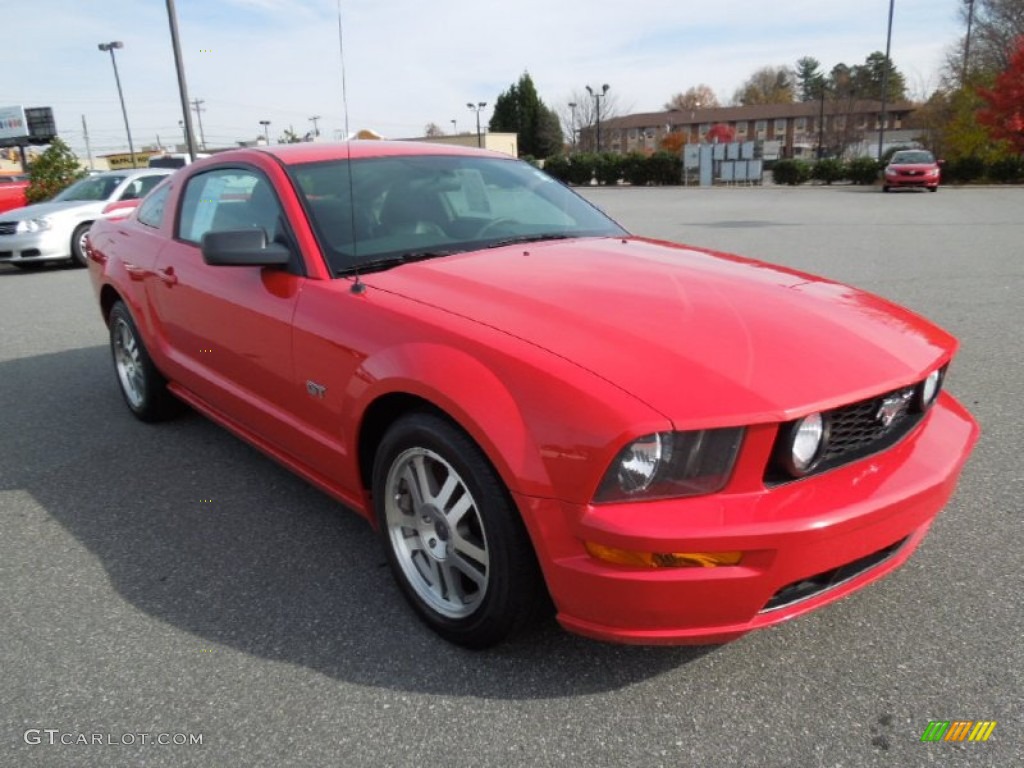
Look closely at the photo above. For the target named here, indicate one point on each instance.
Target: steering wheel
(495, 224)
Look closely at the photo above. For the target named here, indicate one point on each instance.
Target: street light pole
(967, 42)
(478, 107)
(885, 81)
(572, 108)
(120, 94)
(266, 130)
(597, 102)
(821, 117)
(455, 128)
(313, 120)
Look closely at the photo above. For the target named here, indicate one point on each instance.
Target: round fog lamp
(806, 441)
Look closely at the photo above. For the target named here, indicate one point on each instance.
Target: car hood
(38, 210)
(706, 339)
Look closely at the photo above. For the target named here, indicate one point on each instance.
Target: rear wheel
(78, 257)
(143, 387)
(885, 187)
(452, 535)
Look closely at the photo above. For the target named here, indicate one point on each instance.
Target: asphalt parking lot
(171, 580)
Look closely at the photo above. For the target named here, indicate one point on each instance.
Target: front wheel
(78, 257)
(142, 385)
(452, 535)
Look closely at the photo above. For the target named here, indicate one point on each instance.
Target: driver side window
(228, 199)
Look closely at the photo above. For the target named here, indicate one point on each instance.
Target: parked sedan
(674, 445)
(912, 168)
(55, 230)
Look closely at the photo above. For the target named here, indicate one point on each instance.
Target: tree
(1004, 114)
(52, 171)
(808, 78)
(996, 26)
(867, 79)
(520, 110)
(768, 85)
(289, 136)
(720, 132)
(432, 129)
(697, 97)
(583, 115)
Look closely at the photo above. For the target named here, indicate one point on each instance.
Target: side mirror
(242, 248)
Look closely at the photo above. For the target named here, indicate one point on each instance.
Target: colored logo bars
(958, 730)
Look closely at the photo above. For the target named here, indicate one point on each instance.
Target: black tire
(933, 189)
(463, 560)
(885, 188)
(143, 387)
(78, 258)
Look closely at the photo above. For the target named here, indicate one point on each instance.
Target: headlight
(671, 464)
(890, 171)
(804, 444)
(32, 225)
(928, 390)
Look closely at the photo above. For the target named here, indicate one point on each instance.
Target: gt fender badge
(315, 390)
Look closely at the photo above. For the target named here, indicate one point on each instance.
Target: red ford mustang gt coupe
(674, 445)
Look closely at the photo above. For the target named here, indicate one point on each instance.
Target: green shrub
(862, 170)
(581, 168)
(1007, 170)
(665, 168)
(828, 170)
(558, 166)
(963, 170)
(635, 169)
(609, 168)
(791, 172)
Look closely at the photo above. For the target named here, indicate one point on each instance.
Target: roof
(751, 112)
(312, 152)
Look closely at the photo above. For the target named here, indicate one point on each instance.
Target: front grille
(8, 227)
(822, 582)
(855, 431)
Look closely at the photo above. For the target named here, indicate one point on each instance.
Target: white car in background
(55, 230)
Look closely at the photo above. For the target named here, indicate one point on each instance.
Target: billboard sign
(13, 124)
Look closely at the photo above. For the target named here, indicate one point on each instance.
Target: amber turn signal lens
(662, 559)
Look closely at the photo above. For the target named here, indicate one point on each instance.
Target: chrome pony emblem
(893, 407)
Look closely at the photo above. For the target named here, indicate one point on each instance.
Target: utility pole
(313, 119)
(197, 105)
(186, 113)
(967, 43)
(885, 81)
(88, 149)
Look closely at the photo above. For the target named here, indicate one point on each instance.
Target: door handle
(167, 275)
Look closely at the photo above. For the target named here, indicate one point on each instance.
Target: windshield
(94, 188)
(437, 204)
(912, 158)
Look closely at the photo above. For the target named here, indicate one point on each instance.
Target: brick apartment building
(798, 126)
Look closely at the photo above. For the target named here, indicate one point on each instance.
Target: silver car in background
(55, 230)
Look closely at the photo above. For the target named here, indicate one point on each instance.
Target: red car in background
(912, 168)
(12, 191)
(675, 445)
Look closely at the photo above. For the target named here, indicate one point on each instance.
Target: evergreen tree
(520, 110)
(808, 78)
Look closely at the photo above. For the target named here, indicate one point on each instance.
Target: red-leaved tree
(1004, 115)
(720, 132)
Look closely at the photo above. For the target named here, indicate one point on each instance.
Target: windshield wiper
(388, 262)
(530, 239)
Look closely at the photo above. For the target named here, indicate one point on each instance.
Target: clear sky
(410, 62)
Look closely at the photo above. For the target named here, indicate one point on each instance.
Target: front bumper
(902, 180)
(35, 246)
(805, 543)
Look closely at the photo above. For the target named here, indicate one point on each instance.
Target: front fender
(469, 392)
